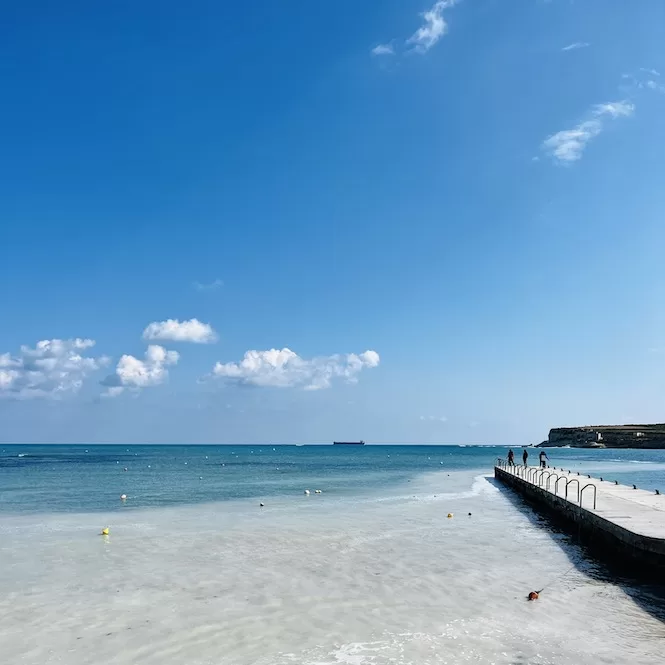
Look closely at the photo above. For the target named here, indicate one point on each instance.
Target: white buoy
(123, 497)
(306, 491)
(261, 504)
(317, 491)
(200, 477)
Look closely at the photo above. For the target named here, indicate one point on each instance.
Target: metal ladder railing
(535, 476)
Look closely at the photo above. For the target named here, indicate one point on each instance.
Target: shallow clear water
(370, 572)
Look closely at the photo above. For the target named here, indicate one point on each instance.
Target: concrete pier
(620, 522)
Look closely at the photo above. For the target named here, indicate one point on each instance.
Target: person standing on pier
(511, 458)
(525, 457)
(543, 457)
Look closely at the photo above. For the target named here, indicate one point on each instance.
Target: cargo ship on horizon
(348, 443)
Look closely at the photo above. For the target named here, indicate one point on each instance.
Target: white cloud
(208, 286)
(574, 46)
(134, 374)
(286, 369)
(52, 368)
(383, 49)
(440, 419)
(433, 28)
(653, 72)
(614, 109)
(654, 85)
(568, 145)
(180, 331)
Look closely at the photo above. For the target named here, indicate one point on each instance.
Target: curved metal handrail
(556, 484)
(542, 473)
(595, 491)
(573, 480)
(531, 473)
(547, 483)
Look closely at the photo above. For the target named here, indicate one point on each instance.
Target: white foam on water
(349, 581)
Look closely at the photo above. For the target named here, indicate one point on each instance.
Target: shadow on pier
(592, 559)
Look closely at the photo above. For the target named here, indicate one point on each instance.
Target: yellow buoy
(450, 515)
(105, 531)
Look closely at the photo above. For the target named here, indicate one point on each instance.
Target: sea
(306, 555)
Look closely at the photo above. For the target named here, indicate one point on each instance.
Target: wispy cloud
(282, 368)
(575, 45)
(655, 85)
(434, 27)
(383, 49)
(568, 145)
(209, 286)
(439, 419)
(173, 330)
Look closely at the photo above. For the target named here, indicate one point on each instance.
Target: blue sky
(405, 220)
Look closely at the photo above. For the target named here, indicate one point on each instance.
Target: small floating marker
(200, 477)
(125, 469)
(273, 449)
(261, 505)
(469, 514)
(123, 497)
(149, 466)
(105, 531)
(450, 515)
(206, 457)
(118, 462)
(532, 596)
(306, 491)
(186, 462)
(441, 463)
(317, 492)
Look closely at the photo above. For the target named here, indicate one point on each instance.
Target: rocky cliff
(607, 436)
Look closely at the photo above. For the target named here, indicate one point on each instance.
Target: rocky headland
(607, 436)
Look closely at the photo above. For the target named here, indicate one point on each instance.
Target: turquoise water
(412, 555)
(58, 478)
